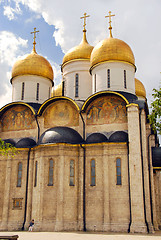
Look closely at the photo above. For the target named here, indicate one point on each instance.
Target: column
(146, 171)
(135, 168)
(38, 192)
(106, 223)
(60, 189)
(152, 144)
(30, 191)
(6, 200)
(80, 188)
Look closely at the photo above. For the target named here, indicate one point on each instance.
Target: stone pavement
(81, 236)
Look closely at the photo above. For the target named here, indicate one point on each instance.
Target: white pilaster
(135, 166)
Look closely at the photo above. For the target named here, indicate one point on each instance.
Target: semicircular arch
(54, 99)
(9, 105)
(60, 111)
(17, 116)
(99, 94)
(105, 108)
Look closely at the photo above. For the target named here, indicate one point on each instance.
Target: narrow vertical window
(93, 173)
(63, 88)
(19, 175)
(108, 78)
(37, 92)
(49, 92)
(125, 79)
(76, 84)
(35, 180)
(71, 182)
(118, 171)
(23, 89)
(95, 83)
(51, 168)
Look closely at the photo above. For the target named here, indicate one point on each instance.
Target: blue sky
(136, 22)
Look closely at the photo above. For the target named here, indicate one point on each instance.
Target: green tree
(155, 115)
(7, 148)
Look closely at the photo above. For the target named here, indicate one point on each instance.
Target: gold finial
(110, 27)
(85, 16)
(34, 43)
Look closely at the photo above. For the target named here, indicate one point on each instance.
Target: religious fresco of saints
(106, 110)
(61, 113)
(17, 118)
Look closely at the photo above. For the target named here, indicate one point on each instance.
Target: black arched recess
(25, 143)
(119, 136)
(60, 135)
(96, 138)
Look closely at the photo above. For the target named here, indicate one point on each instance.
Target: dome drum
(114, 73)
(84, 79)
(29, 85)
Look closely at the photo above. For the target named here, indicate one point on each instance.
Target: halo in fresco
(106, 110)
(17, 118)
(61, 113)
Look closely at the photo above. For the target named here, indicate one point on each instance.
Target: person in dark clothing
(31, 225)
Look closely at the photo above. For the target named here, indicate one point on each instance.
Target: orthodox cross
(85, 16)
(34, 43)
(110, 27)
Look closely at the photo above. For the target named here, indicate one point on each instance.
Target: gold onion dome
(112, 49)
(139, 89)
(33, 64)
(80, 52)
(57, 91)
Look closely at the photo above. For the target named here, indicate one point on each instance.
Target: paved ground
(81, 236)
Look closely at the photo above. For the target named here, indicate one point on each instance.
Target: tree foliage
(155, 115)
(7, 149)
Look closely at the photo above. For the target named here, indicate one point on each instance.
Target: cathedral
(87, 158)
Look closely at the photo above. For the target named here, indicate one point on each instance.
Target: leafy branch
(7, 149)
(155, 115)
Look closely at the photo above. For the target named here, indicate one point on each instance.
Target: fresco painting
(106, 110)
(17, 118)
(61, 113)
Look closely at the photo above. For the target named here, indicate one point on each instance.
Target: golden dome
(139, 89)
(33, 64)
(112, 49)
(80, 52)
(57, 91)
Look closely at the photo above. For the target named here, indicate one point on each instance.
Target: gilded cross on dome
(34, 42)
(85, 16)
(110, 27)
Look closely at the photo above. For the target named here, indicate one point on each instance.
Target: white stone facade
(70, 70)
(32, 93)
(117, 77)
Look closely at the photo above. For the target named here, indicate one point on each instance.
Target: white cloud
(11, 12)
(7, 96)
(11, 47)
(57, 73)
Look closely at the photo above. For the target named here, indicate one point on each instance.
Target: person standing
(31, 226)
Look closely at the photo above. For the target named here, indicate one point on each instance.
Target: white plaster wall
(30, 89)
(116, 77)
(85, 79)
